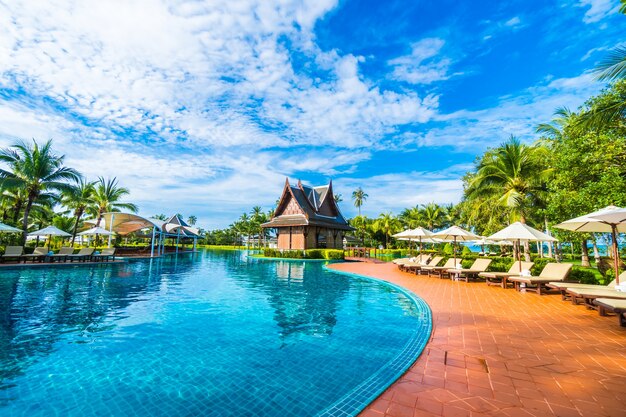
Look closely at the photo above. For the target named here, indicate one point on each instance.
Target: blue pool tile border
(361, 396)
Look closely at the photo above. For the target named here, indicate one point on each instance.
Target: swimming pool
(216, 333)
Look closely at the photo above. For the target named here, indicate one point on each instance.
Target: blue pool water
(214, 334)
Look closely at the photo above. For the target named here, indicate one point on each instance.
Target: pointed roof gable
(316, 206)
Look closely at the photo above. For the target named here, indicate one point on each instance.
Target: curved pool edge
(366, 392)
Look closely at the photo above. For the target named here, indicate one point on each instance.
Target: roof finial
(299, 183)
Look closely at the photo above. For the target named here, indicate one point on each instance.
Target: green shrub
(500, 264)
(540, 263)
(465, 252)
(448, 249)
(583, 275)
(315, 254)
(333, 254)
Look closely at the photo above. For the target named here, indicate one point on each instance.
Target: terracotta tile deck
(497, 352)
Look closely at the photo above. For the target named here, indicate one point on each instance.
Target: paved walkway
(497, 352)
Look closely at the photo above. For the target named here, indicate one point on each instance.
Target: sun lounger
(588, 295)
(441, 270)
(552, 272)
(39, 254)
(417, 267)
(105, 255)
(500, 278)
(614, 306)
(464, 274)
(12, 252)
(82, 255)
(563, 286)
(62, 255)
(420, 260)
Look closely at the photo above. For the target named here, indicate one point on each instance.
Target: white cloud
(423, 65)
(513, 22)
(598, 9)
(396, 191)
(516, 115)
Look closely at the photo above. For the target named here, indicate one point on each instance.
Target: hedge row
(331, 254)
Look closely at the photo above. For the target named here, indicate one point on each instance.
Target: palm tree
(78, 198)
(107, 198)
(554, 129)
(514, 173)
(192, 220)
(411, 217)
(359, 196)
(36, 170)
(338, 198)
(514, 176)
(161, 217)
(388, 224)
(432, 214)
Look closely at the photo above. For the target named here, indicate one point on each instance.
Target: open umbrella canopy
(610, 219)
(521, 231)
(597, 222)
(49, 231)
(5, 228)
(418, 232)
(96, 231)
(455, 233)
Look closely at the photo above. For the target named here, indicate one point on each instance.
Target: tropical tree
(515, 174)
(78, 197)
(338, 198)
(433, 215)
(388, 224)
(37, 171)
(192, 220)
(107, 198)
(360, 223)
(359, 196)
(411, 217)
(161, 217)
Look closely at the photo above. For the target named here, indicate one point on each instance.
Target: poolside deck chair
(552, 272)
(420, 260)
(618, 307)
(499, 278)
(83, 255)
(464, 274)
(400, 260)
(563, 286)
(62, 254)
(431, 262)
(441, 270)
(588, 295)
(39, 254)
(12, 252)
(105, 255)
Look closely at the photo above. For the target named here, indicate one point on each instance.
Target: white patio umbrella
(5, 228)
(96, 231)
(455, 233)
(521, 232)
(419, 233)
(610, 219)
(49, 231)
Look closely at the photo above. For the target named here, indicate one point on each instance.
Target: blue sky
(205, 107)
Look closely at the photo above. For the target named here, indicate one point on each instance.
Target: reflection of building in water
(305, 299)
(290, 270)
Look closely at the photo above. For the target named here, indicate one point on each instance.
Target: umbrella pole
(454, 250)
(519, 255)
(420, 245)
(615, 253)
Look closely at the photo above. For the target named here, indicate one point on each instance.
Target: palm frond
(613, 67)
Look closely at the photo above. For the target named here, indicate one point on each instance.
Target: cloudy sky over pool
(205, 107)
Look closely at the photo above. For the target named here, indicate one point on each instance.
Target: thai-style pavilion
(308, 218)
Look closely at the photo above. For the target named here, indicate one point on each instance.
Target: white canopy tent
(126, 223)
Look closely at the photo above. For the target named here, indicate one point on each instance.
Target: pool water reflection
(216, 333)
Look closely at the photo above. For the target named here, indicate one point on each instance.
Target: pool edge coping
(411, 351)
